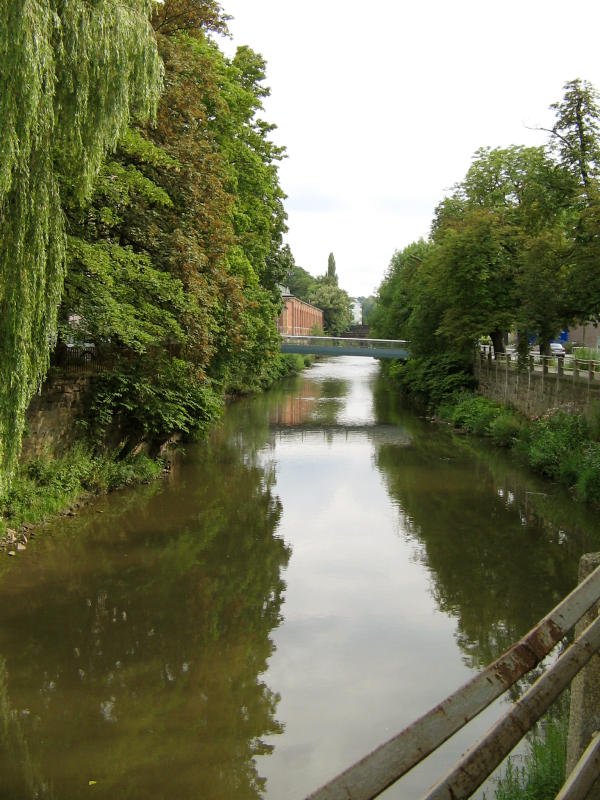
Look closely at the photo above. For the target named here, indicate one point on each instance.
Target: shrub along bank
(561, 446)
(46, 486)
(540, 772)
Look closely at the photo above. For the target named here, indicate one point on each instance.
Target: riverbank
(48, 486)
(561, 446)
(298, 532)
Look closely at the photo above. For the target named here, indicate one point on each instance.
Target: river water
(300, 587)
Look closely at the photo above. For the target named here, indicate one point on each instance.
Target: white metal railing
(377, 771)
(345, 341)
(568, 365)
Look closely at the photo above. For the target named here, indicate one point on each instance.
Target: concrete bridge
(342, 346)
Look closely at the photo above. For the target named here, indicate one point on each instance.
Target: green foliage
(71, 75)
(368, 305)
(476, 414)
(46, 486)
(560, 446)
(300, 282)
(122, 299)
(151, 400)
(513, 247)
(331, 273)
(335, 304)
(505, 429)
(431, 380)
(180, 249)
(576, 131)
(553, 445)
(542, 771)
(396, 300)
(472, 413)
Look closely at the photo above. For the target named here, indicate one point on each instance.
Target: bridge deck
(341, 346)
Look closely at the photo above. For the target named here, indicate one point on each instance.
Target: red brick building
(299, 318)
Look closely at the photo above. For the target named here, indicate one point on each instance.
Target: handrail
(567, 362)
(479, 762)
(584, 775)
(344, 339)
(370, 776)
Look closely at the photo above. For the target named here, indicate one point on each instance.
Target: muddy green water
(302, 586)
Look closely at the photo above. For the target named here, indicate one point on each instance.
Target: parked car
(556, 349)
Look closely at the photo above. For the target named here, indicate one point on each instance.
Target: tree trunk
(544, 345)
(498, 342)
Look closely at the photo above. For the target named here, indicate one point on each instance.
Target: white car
(556, 349)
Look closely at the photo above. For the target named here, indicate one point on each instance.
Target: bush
(478, 415)
(44, 486)
(542, 772)
(154, 403)
(432, 380)
(558, 445)
(505, 429)
(474, 413)
(587, 485)
(553, 445)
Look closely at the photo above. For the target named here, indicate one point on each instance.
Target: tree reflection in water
(496, 579)
(135, 647)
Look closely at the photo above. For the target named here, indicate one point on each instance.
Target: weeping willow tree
(72, 75)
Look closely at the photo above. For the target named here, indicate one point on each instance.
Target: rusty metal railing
(370, 776)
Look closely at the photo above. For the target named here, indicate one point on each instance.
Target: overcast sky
(381, 106)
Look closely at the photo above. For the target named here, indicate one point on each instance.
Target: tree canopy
(72, 76)
(513, 247)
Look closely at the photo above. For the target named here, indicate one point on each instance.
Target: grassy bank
(560, 446)
(48, 486)
(539, 772)
(45, 487)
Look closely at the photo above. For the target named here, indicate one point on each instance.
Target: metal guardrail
(567, 366)
(377, 771)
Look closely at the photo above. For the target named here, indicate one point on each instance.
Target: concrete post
(584, 714)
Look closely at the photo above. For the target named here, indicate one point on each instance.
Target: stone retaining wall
(533, 392)
(53, 416)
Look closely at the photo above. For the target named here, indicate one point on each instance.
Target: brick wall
(299, 318)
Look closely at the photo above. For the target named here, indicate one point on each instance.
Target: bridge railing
(344, 342)
(370, 776)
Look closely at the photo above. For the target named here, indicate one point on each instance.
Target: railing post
(584, 714)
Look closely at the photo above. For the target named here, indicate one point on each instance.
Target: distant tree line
(515, 246)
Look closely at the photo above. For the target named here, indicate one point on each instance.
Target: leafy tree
(335, 304)
(575, 141)
(72, 74)
(300, 282)
(511, 200)
(368, 305)
(395, 300)
(186, 220)
(575, 134)
(331, 273)
(172, 17)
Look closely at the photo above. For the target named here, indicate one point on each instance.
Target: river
(321, 571)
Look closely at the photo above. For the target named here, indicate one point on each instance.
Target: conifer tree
(72, 73)
(331, 273)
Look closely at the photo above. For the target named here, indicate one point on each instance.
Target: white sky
(382, 104)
